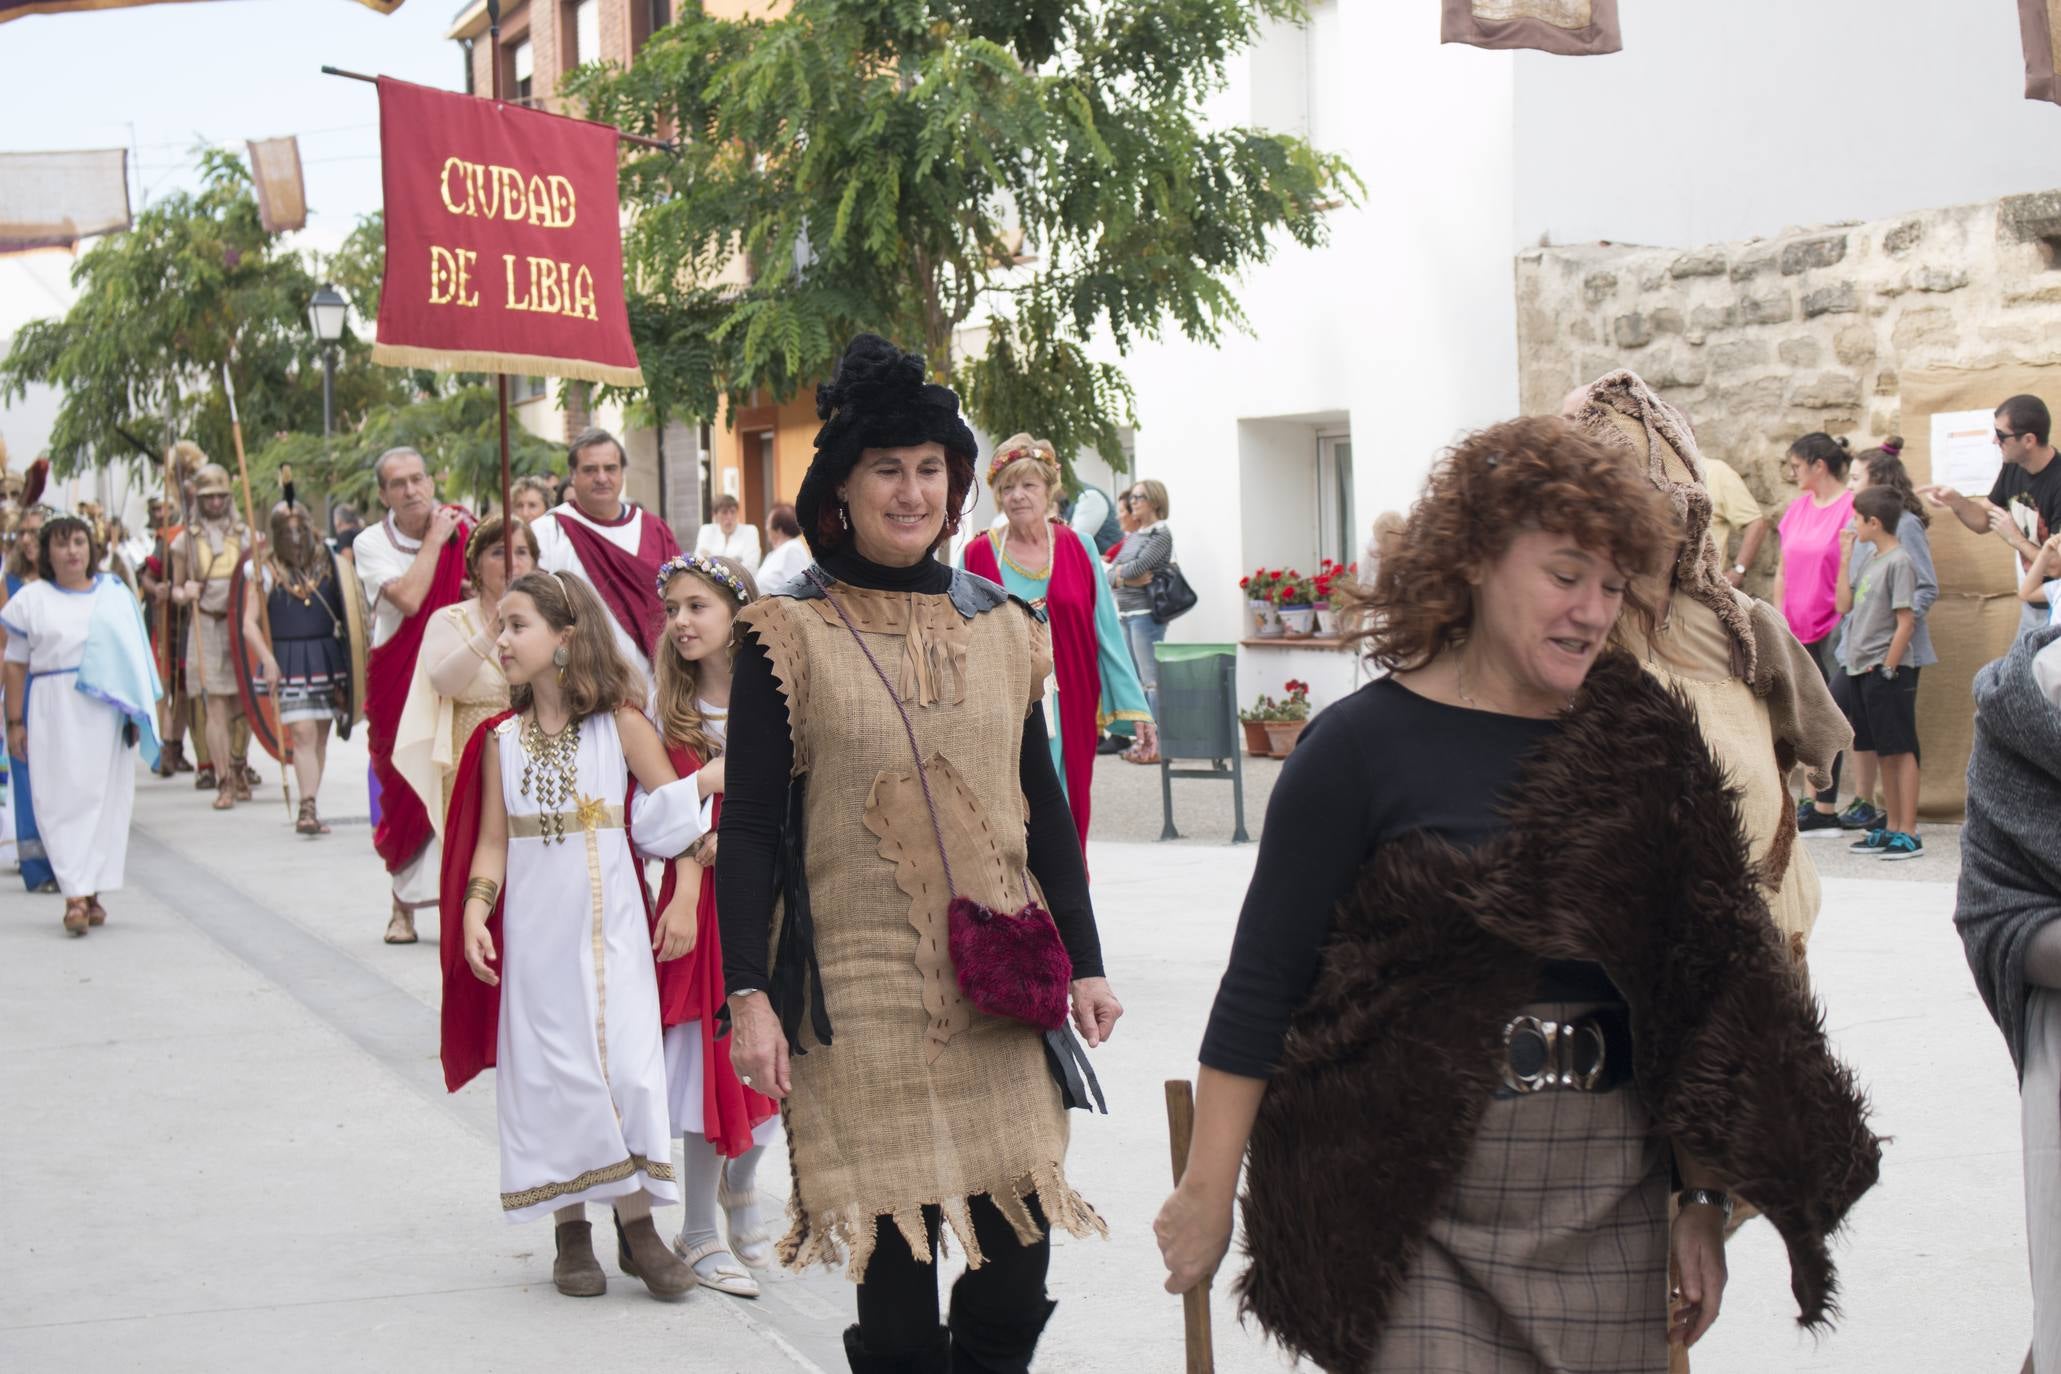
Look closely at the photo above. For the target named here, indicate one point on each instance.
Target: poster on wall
(1964, 451)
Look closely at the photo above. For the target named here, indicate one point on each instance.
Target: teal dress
(1123, 696)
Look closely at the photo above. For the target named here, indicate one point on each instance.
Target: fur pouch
(1012, 966)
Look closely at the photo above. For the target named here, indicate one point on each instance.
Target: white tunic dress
(582, 1080)
(85, 773)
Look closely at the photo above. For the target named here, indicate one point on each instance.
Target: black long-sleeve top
(760, 750)
(1380, 763)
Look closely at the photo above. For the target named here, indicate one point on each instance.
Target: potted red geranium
(1289, 718)
(1262, 613)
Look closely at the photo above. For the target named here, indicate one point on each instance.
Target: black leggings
(1823, 652)
(999, 1306)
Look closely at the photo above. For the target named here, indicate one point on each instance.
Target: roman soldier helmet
(211, 480)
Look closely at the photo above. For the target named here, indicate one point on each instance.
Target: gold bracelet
(486, 889)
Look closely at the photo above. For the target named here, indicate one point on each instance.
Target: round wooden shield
(259, 707)
(356, 632)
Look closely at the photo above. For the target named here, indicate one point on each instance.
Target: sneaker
(1874, 842)
(1804, 807)
(1861, 816)
(1816, 822)
(1113, 744)
(1903, 846)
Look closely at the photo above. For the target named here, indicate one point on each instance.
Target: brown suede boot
(576, 1272)
(642, 1255)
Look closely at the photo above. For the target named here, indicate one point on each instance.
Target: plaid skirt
(1550, 1256)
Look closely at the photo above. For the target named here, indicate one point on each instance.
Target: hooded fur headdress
(880, 398)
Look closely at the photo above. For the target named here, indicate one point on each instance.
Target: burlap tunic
(921, 1099)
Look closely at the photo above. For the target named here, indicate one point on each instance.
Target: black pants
(997, 1309)
(1823, 653)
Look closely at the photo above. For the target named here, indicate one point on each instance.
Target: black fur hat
(878, 399)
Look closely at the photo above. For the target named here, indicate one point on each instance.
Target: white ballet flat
(731, 1278)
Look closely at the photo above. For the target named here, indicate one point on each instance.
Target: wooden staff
(257, 588)
(1180, 1124)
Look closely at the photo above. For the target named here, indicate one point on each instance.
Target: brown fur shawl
(1624, 848)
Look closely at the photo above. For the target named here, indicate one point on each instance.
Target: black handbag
(1172, 597)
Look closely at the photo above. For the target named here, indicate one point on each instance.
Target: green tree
(1039, 167)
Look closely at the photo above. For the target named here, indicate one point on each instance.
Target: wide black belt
(1590, 1053)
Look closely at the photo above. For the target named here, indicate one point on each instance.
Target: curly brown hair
(1531, 474)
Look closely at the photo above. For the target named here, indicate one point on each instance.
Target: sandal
(309, 823)
(753, 1246)
(401, 929)
(239, 783)
(204, 780)
(76, 918)
(731, 1278)
(96, 914)
(225, 798)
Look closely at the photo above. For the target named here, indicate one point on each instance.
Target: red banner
(504, 249)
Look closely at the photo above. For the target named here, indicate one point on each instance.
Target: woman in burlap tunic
(906, 1107)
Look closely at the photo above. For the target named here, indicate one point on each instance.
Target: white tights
(699, 1218)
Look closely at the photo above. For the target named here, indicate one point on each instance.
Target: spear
(250, 522)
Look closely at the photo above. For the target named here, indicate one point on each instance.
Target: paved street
(227, 1146)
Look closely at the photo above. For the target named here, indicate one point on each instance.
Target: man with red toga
(411, 565)
(615, 546)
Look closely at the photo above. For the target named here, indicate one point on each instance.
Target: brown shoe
(76, 918)
(642, 1255)
(96, 914)
(576, 1272)
(401, 929)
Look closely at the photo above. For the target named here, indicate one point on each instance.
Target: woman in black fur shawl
(1504, 971)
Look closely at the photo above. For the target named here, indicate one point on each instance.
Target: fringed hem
(777, 637)
(847, 1234)
(521, 364)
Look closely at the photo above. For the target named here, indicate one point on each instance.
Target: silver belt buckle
(1558, 1065)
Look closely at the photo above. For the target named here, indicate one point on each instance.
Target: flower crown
(701, 566)
(1004, 457)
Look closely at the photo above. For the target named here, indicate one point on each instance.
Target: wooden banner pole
(1180, 1121)
(501, 380)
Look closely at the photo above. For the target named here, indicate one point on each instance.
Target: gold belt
(529, 825)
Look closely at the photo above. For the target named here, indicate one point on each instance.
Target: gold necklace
(551, 764)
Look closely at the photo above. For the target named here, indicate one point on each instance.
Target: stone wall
(1765, 340)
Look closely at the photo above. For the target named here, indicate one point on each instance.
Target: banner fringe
(518, 364)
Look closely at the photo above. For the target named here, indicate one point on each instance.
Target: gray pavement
(227, 1145)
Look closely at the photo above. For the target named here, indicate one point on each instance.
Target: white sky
(161, 78)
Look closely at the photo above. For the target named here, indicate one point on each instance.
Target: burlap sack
(2040, 22)
(1570, 28)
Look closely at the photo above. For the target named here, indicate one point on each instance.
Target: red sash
(627, 584)
(472, 1010)
(690, 988)
(1070, 607)
(403, 819)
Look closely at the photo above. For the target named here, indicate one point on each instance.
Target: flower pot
(1266, 621)
(1257, 745)
(1281, 736)
(1298, 622)
(1327, 621)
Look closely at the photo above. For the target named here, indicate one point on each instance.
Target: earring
(844, 516)
(559, 657)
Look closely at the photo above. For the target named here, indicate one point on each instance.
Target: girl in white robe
(582, 1092)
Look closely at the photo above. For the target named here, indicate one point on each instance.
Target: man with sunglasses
(2024, 506)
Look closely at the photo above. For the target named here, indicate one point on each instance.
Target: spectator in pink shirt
(1806, 586)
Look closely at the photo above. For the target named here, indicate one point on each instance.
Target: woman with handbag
(920, 1089)
(1046, 562)
(1146, 553)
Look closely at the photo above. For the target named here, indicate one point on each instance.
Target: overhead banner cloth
(1571, 28)
(15, 9)
(2040, 22)
(275, 169)
(52, 200)
(504, 246)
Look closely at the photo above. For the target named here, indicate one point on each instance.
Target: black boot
(935, 1358)
(982, 1345)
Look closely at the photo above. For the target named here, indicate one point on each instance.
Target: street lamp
(326, 315)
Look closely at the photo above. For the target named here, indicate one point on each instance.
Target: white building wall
(1402, 328)
(1731, 120)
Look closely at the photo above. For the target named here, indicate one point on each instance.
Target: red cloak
(472, 1010)
(690, 988)
(627, 583)
(1070, 608)
(404, 826)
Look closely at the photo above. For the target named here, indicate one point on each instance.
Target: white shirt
(783, 566)
(383, 554)
(1090, 512)
(741, 544)
(555, 553)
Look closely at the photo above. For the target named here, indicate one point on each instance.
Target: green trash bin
(1198, 721)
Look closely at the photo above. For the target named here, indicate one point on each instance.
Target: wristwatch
(744, 992)
(1739, 568)
(1706, 1197)
(1888, 673)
